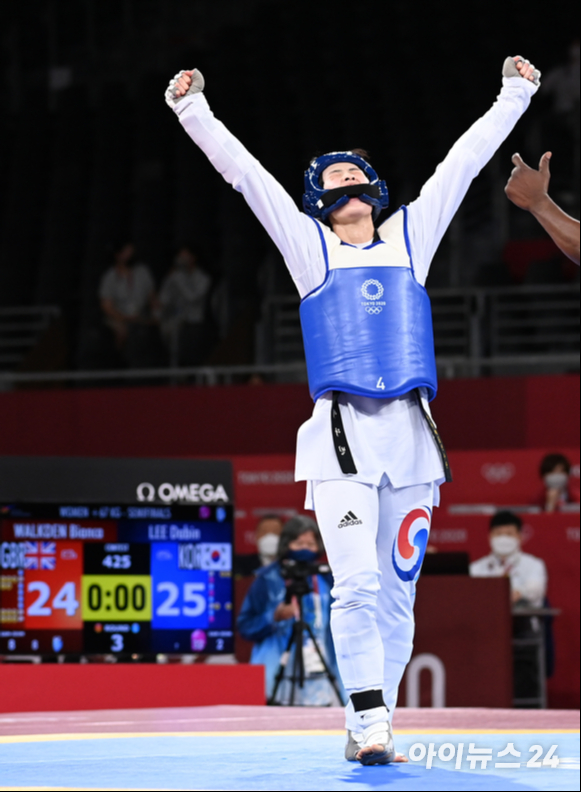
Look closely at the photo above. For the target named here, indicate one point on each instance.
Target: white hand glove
(509, 70)
(197, 85)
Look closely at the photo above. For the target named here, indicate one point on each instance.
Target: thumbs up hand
(527, 187)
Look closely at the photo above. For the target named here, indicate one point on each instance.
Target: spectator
(562, 83)
(555, 470)
(528, 588)
(267, 619)
(128, 302)
(183, 299)
(267, 538)
(560, 129)
(528, 575)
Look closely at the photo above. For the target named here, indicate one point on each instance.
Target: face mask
(304, 556)
(556, 480)
(267, 548)
(504, 545)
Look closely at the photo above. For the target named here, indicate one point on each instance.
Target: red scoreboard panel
(52, 587)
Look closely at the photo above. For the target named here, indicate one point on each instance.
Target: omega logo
(193, 493)
(145, 492)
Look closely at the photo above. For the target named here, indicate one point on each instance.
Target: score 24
(52, 582)
(180, 596)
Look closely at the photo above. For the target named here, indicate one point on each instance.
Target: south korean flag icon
(410, 544)
(216, 557)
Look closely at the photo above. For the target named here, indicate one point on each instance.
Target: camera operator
(271, 607)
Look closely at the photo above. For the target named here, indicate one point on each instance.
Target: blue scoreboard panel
(117, 579)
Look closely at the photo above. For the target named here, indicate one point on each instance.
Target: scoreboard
(123, 579)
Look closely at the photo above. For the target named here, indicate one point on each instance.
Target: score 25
(181, 603)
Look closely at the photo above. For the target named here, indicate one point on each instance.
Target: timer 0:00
(121, 597)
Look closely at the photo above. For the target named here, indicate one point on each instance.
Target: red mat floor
(249, 718)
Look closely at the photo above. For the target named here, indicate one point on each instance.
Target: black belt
(340, 438)
(344, 455)
(436, 436)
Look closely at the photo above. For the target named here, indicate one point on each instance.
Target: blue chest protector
(368, 331)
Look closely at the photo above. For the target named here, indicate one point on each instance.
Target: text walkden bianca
(56, 531)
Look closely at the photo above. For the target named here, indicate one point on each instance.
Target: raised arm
(529, 189)
(431, 214)
(294, 234)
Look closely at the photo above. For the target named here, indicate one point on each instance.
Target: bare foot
(401, 758)
(369, 750)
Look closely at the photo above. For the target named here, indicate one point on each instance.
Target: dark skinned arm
(528, 189)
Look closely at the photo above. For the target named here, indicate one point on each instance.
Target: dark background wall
(90, 154)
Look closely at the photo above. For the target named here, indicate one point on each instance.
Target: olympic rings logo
(374, 310)
(377, 285)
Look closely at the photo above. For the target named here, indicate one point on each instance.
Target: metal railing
(199, 375)
(20, 330)
(448, 368)
(476, 330)
(535, 319)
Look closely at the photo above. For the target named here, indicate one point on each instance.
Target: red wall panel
(555, 539)
(508, 412)
(153, 421)
(503, 477)
(466, 624)
(45, 688)
(481, 413)
(505, 412)
(552, 411)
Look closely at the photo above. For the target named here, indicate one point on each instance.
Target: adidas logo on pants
(350, 519)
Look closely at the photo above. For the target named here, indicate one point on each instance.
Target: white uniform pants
(375, 539)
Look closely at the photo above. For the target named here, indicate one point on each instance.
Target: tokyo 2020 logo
(378, 288)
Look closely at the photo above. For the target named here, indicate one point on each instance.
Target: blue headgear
(319, 202)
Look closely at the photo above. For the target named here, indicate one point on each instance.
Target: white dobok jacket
(387, 436)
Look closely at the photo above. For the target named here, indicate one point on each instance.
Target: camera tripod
(296, 641)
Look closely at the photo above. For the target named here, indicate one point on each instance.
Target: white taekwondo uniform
(398, 463)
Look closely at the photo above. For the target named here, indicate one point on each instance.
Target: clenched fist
(519, 67)
(185, 83)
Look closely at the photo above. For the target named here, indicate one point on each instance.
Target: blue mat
(275, 762)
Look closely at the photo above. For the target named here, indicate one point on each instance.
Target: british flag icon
(40, 555)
